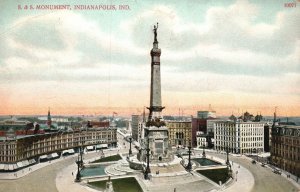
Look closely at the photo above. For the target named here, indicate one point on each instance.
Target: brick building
(285, 150)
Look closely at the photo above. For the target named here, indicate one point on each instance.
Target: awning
(32, 161)
(71, 151)
(2, 166)
(101, 146)
(54, 155)
(43, 157)
(25, 163)
(68, 151)
(20, 164)
(15, 166)
(90, 147)
(10, 167)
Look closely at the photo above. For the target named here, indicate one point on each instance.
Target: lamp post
(130, 151)
(203, 153)
(78, 176)
(81, 154)
(189, 165)
(228, 163)
(147, 171)
(257, 155)
(227, 157)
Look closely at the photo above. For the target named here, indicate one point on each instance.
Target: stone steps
(110, 170)
(122, 168)
(186, 178)
(118, 169)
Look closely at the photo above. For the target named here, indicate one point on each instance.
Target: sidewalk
(284, 174)
(65, 179)
(25, 171)
(243, 180)
(292, 179)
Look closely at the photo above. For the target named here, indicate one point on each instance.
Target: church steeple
(49, 118)
(155, 92)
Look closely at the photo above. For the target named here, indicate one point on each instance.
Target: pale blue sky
(244, 51)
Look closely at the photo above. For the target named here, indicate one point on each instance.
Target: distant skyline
(235, 55)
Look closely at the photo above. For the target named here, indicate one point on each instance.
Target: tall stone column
(156, 148)
(155, 92)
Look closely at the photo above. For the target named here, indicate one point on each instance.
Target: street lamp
(189, 165)
(130, 151)
(147, 171)
(227, 157)
(78, 176)
(81, 154)
(203, 153)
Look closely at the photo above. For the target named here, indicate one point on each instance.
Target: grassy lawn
(109, 158)
(216, 175)
(128, 184)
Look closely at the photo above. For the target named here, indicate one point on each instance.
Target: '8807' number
(290, 5)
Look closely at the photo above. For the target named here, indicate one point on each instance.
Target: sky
(235, 55)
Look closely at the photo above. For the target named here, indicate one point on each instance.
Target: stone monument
(156, 134)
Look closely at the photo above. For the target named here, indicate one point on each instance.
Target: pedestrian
(72, 173)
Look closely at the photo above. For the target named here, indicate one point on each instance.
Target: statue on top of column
(155, 32)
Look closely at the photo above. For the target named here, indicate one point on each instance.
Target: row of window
(27, 147)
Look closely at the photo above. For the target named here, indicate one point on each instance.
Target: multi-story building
(201, 140)
(28, 148)
(239, 137)
(198, 125)
(180, 132)
(205, 125)
(267, 136)
(137, 127)
(285, 150)
(210, 125)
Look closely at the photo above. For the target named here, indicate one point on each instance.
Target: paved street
(265, 180)
(44, 179)
(40, 180)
